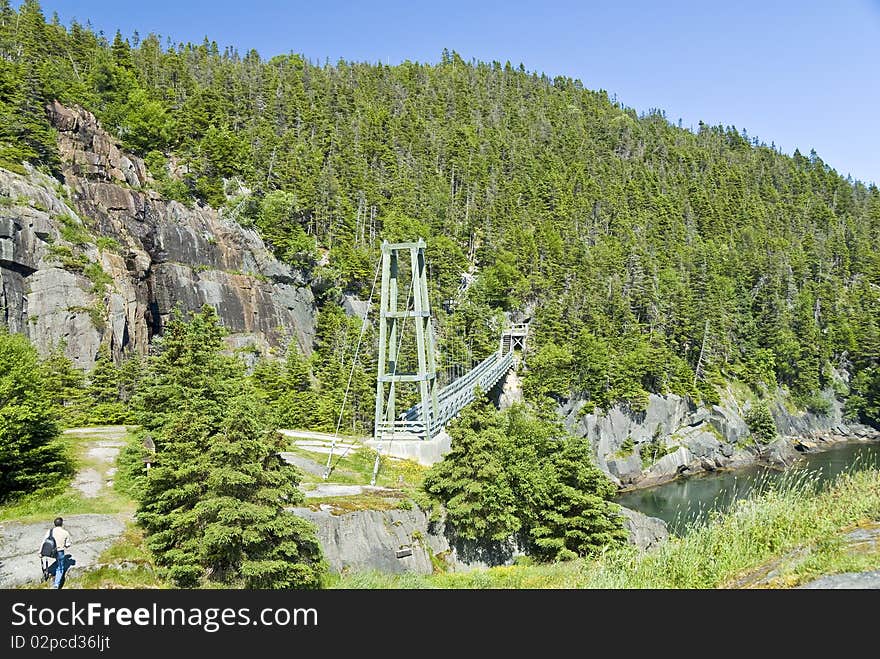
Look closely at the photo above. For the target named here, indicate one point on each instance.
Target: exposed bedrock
(57, 239)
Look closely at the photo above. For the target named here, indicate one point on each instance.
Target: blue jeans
(59, 571)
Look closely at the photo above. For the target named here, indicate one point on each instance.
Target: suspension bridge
(407, 367)
(437, 405)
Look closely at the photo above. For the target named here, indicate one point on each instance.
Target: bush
(761, 424)
(515, 474)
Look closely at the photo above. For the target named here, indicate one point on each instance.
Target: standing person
(62, 543)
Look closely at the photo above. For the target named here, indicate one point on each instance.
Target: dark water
(685, 501)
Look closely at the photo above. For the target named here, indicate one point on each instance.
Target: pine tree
(64, 385)
(518, 475)
(31, 455)
(213, 504)
(471, 480)
(245, 534)
(575, 517)
(103, 392)
(760, 421)
(188, 370)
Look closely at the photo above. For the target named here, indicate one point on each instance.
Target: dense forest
(635, 245)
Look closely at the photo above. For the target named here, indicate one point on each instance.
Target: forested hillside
(634, 244)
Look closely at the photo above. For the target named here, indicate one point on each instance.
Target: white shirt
(62, 537)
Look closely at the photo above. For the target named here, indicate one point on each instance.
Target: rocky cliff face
(397, 541)
(103, 258)
(673, 437)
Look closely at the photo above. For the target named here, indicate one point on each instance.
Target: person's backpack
(49, 547)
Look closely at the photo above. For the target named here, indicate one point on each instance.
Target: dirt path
(99, 459)
(91, 534)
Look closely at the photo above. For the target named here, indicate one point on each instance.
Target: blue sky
(801, 74)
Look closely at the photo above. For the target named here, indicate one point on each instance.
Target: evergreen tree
(243, 531)
(575, 517)
(64, 385)
(213, 504)
(599, 221)
(31, 454)
(518, 474)
(188, 370)
(103, 391)
(471, 480)
(760, 421)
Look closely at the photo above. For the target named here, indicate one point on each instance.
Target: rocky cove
(102, 259)
(695, 441)
(673, 437)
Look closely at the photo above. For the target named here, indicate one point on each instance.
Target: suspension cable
(327, 468)
(396, 357)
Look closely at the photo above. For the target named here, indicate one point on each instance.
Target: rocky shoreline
(781, 454)
(673, 437)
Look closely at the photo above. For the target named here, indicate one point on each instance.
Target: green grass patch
(100, 279)
(106, 243)
(355, 467)
(95, 312)
(128, 564)
(73, 231)
(13, 166)
(68, 260)
(391, 500)
(827, 556)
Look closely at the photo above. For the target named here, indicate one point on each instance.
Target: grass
(73, 231)
(69, 260)
(366, 501)
(100, 279)
(106, 243)
(355, 467)
(402, 478)
(792, 516)
(129, 551)
(47, 502)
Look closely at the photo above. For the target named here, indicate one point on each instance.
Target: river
(689, 500)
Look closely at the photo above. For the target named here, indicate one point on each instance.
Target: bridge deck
(450, 399)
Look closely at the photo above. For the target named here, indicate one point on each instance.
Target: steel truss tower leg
(391, 329)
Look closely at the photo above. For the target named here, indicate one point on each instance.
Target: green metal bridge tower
(391, 325)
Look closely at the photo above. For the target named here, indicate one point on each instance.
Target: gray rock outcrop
(673, 437)
(780, 453)
(846, 581)
(370, 540)
(353, 306)
(367, 540)
(644, 532)
(510, 390)
(103, 259)
(20, 545)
